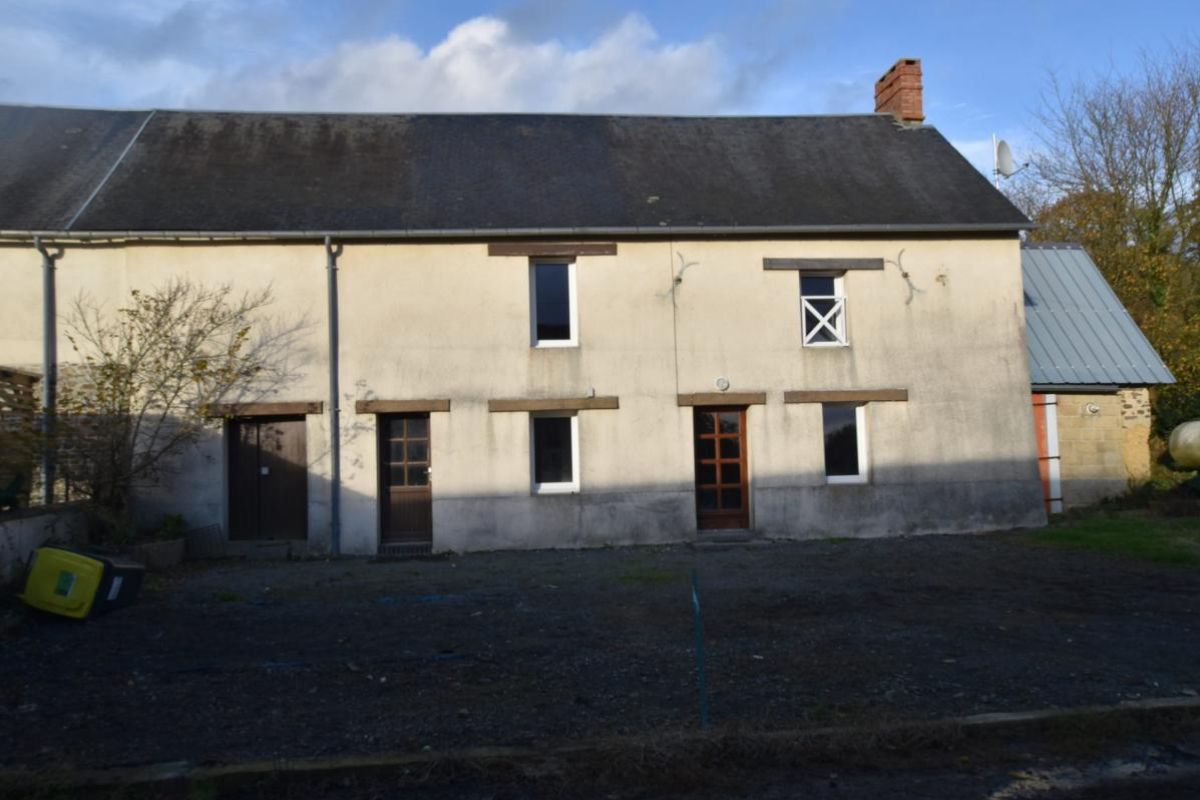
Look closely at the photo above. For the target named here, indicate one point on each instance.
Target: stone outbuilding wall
(1104, 441)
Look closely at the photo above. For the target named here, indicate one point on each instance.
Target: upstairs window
(552, 304)
(845, 443)
(824, 310)
(554, 450)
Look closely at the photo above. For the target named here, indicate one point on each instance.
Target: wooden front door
(722, 491)
(268, 479)
(404, 461)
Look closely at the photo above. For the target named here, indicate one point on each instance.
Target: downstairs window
(554, 450)
(845, 442)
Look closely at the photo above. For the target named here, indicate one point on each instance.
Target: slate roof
(1078, 331)
(483, 174)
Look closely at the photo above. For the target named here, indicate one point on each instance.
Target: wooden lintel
(285, 409)
(550, 249)
(723, 399)
(400, 406)
(822, 264)
(847, 396)
(555, 404)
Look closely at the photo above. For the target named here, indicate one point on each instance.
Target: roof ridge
(418, 113)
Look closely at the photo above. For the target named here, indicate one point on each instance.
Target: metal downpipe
(49, 368)
(335, 434)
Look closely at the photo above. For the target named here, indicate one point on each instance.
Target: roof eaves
(492, 233)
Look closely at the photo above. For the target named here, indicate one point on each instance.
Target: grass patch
(1163, 541)
(228, 597)
(202, 791)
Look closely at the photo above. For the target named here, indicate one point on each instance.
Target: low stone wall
(23, 530)
(1104, 440)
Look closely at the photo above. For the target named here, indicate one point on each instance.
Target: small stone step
(728, 535)
(267, 548)
(399, 550)
(727, 539)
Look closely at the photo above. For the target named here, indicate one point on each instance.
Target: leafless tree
(150, 377)
(1118, 171)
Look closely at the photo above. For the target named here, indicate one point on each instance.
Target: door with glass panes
(404, 481)
(722, 496)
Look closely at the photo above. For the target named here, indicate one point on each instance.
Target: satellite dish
(1004, 159)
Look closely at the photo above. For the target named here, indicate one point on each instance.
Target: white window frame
(572, 298)
(834, 321)
(860, 428)
(558, 487)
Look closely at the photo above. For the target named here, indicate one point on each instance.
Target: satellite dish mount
(1003, 165)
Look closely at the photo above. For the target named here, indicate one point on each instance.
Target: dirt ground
(230, 661)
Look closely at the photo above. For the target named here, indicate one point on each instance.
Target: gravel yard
(239, 660)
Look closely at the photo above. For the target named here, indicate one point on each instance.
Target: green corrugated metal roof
(1078, 331)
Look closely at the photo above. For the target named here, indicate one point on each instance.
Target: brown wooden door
(268, 479)
(722, 490)
(404, 479)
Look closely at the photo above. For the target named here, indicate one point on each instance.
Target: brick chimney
(898, 92)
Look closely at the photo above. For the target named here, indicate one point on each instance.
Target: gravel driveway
(238, 660)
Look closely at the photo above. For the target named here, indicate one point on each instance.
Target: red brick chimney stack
(898, 92)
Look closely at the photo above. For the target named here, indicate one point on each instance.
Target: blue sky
(985, 63)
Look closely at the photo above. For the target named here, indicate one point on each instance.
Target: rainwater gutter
(878, 229)
(49, 368)
(335, 434)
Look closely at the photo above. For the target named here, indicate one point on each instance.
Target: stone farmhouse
(539, 330)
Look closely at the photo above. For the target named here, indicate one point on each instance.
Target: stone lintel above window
(554, 404)
(565, 250)
(827, 265)
(401, 406)
(847, 396)
(722, 399)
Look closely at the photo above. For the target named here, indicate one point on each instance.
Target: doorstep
(266, 548)
(390, 550)
(727, 537)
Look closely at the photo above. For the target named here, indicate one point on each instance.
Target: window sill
(846, 480)
(555, 488)
(827, 344)
(553, 344)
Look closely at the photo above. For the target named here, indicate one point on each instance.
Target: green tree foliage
(145, 386)
(1119, 173)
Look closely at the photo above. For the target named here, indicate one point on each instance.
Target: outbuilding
(1091, 369)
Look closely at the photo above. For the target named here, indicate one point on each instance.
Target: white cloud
(481, 65)
(125, 53)
(184, 53)
(537, 55)
(41, 67)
